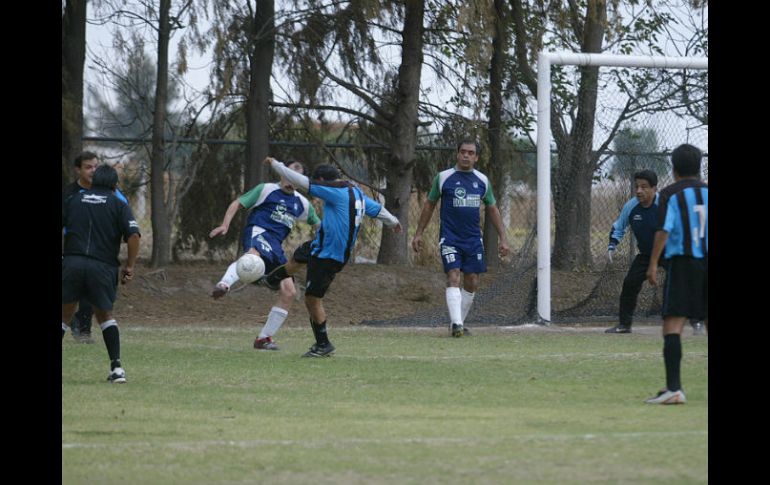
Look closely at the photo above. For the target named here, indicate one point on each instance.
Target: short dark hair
(105, 177)
(292, 161)
(325, 172)
(84, 156)
(470, 141)
(647, 175)
(686, 160)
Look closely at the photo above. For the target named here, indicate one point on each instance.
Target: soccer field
(400, 406)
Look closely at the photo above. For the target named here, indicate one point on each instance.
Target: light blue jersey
(344, 209)
(684, 216)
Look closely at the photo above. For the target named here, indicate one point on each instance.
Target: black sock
(62, 333)
(277, 275)
(111, 337)
(672, 357)
(319, 331)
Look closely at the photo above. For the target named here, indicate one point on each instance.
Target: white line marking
(377, 441)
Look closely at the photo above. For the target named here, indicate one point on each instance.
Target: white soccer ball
(250, 268)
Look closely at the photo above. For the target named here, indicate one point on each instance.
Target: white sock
(454, 304)
(467, 302)
(64, 326)
(274, 321)
(108, 323)
(230, 277)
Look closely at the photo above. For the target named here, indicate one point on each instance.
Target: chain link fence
(201, 183)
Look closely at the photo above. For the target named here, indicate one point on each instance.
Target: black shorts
(686, 290)
(302, 253)
(320, 274)
(90, 279)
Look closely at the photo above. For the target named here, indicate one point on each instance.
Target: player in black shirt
(96, 221)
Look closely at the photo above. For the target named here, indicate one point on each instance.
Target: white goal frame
(544, 63)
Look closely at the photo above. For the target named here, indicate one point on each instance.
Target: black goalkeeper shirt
(96, 221)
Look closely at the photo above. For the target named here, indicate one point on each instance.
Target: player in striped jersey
(682, 239)
(461, 189)
(345, 206)
(273, 209)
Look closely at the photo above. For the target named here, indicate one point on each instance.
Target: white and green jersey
(461, 195)
(274, 211)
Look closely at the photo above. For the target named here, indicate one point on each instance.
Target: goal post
(543, 198)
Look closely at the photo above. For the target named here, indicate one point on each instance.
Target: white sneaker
(665, 396)
(117, 376)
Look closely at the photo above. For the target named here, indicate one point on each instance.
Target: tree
(73, 55)
(340, 37)
(592, 27)
(163, 19)
(637, 149)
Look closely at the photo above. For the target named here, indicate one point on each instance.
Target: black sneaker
(457, 330)
(318, 350)
(618, 329)
(267, 282)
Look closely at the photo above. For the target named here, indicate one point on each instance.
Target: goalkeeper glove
(611, 251)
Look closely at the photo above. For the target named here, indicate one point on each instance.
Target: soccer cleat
(318, 350)
(457, 330)
(83, 338)
(618, 329)
(665, 396)
(265, 344)
(267, 282)
(697, 328)
(117, 376)
(219, 291)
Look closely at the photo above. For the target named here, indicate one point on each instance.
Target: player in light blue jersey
(345, 206)
(461, 190)
(273, 209)
(683, 235)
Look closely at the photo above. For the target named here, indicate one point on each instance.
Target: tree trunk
(73, 55)
(257, 104)
(494, 170)
(403, 133)
(577, 163)
(161, 225)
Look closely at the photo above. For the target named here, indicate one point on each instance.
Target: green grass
(392, 406)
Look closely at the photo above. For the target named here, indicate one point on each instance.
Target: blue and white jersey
(643, 221)
(461, 195)
(344, 209)
(684, 216)
(273, 211)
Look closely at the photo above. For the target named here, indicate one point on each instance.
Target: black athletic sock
(111, 337)
(672, 357)
(277, 275)
(319, 331)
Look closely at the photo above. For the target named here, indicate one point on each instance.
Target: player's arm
(618, 229)
(378, 211)
(127, 272)
(296, 179)
(494, 215)
(658, 245)
(422, 223)
(229, 214)
(425, 214)
(497, 221)
(131, 236)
